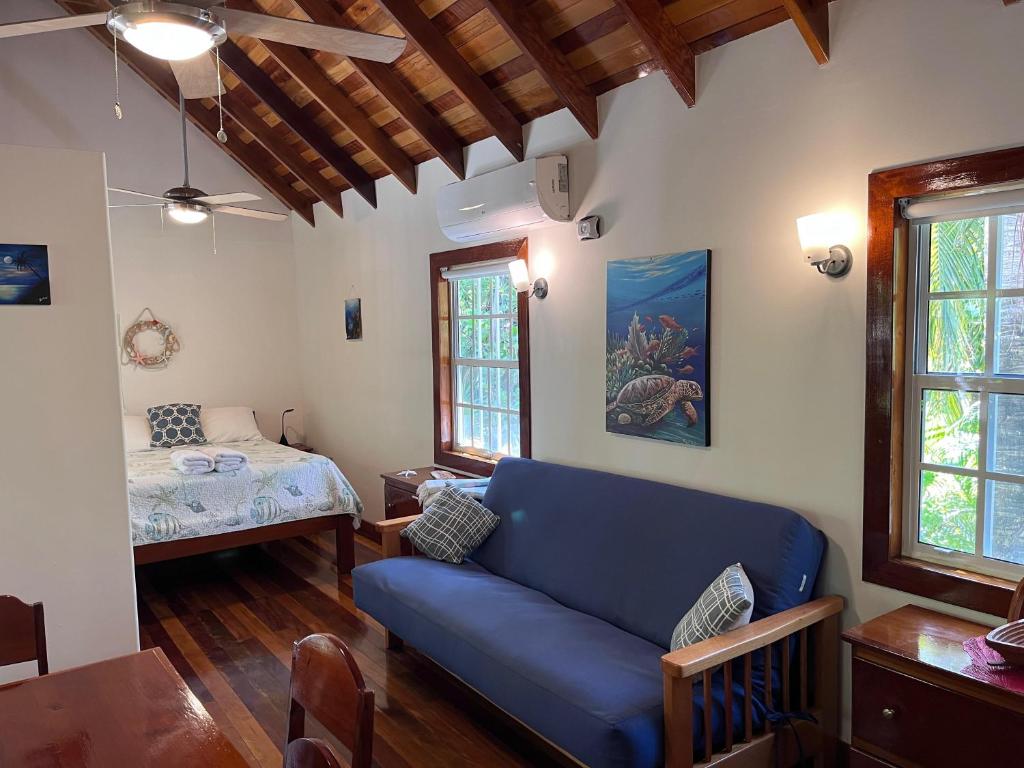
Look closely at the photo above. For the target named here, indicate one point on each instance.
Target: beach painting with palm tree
(656, 376)
(24, 274)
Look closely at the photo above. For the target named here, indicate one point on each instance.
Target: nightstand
(918, 699)
(400, 492)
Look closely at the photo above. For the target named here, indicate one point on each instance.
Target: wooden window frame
(884, 421)
(440, 311)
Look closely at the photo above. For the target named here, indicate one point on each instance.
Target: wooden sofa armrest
(390, 534)
(708, 654)
(817, 622)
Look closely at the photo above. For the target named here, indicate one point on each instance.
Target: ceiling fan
(188, 205)
(182, 30)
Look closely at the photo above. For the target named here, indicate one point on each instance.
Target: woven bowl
(1008, 640)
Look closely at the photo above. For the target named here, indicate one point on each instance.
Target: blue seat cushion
(587, 686)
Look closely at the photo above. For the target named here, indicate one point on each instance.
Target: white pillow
(137, 432)
(229, 425)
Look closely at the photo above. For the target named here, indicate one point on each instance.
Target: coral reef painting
(656, 383)
(353, 319)
(24, 274)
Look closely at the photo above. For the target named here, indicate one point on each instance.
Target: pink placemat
(1011, 678)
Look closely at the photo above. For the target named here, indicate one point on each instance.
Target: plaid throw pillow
(175, 424)
(725, 605)
(453, 526)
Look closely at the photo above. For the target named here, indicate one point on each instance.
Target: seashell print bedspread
(280, 484)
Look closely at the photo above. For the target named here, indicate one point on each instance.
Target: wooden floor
(227, 622)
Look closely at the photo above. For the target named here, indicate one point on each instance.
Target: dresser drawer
(859, 759)
(907, 721)
(399, 502)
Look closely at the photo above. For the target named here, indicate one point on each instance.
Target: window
(964, 480)
(943, 433)
(481, 358)
(485, 363)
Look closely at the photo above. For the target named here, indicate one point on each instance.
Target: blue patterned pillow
(175, 424)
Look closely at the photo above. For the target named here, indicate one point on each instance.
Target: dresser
(918, 700)
(400, 491)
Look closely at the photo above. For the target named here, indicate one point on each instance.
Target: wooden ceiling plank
(391, 88)
(665, 44)
(249, 156)
(263, 86)
(524, 28)
(436, 47)
(811, 19)
(305, 72)
(285, 153)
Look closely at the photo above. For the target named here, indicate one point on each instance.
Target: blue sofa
(565, 613)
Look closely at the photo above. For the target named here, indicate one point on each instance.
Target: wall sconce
(521, 280)
(822, 236)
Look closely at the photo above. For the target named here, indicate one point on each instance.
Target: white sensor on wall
(525, 195)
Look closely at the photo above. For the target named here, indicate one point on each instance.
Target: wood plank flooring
(227, 622)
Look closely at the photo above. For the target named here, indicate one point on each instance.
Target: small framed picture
(353, 319)
(24, 275)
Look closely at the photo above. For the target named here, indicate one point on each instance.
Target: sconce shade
(819, 232)
(520, 275)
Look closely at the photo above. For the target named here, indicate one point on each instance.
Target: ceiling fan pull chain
(118, 112)
(213, 222)
(222, 135)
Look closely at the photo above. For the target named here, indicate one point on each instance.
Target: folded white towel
(226, 459)
(428, 490)
(192, 462)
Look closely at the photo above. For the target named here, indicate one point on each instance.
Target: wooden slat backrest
(311, 753)
(22, 633)
(327, 684)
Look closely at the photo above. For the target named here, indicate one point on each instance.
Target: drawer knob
(888, 713)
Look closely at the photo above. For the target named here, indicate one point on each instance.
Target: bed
(282, 493)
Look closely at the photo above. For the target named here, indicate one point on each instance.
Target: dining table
(132, 710)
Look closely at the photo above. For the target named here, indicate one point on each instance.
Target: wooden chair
(22, 633)
(327, 684)
(311, 753)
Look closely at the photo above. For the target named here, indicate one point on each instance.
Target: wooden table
(400, 491)
(130, 711)
(919, 701)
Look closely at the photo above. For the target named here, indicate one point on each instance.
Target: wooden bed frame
(812, 628)
(340, 524)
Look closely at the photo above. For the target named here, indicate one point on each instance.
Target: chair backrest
(22, 633)
(327, 684)
(311, 753)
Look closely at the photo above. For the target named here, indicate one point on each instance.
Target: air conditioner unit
(523, 195)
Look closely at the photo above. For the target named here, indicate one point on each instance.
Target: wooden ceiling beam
(252, 157)
(525, 30)
(449, 62)
(380, 76)
(284, 152)
(811, 19)
(261, 84)
(665, 44)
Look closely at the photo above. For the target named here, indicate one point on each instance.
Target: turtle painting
(648, 399)
(657, 348)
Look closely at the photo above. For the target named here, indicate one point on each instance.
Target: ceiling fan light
(167, 30)
(186, 213)
(168, 41)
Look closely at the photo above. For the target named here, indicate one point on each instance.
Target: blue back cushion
(636, 553)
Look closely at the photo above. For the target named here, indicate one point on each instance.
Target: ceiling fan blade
(197, 77)
(230, 197)
(138, 205)
(19, 28)
(347, 42)
(265, 215)
(137, 194)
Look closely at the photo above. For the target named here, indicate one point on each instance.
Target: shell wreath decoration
(132, 355)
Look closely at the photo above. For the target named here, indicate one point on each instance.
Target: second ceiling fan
(182, 32)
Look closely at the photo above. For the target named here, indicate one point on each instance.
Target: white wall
(772, 137)
(64, 533)
(234, 311)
